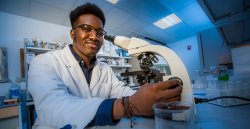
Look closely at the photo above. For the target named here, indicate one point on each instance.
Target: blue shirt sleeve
(104, 114)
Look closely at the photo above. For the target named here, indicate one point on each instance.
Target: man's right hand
(149, 94)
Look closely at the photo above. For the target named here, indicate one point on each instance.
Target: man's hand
(149, 94)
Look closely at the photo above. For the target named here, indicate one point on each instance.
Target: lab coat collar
(80, 60)
(75, 71)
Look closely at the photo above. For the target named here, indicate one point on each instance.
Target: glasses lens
(89, 28)
(86, 28)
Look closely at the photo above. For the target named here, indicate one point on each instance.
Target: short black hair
(87, 8)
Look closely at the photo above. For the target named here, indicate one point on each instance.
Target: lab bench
(9, 115)
(209, 116)
(9, 110)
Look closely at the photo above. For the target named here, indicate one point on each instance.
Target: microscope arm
(178, 69)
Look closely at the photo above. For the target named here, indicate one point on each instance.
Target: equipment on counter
(145, 53)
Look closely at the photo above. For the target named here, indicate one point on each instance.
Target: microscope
(145, 53)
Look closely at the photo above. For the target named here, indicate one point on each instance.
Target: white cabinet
(241, 60)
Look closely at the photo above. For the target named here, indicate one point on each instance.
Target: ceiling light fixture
(167, 21)
(112, 1)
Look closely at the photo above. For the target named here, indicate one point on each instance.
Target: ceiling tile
(103, 4)
(149, 30)
(18, 7)
(194, 16)
(174, 5)
(181, 31)
(47, 13)
(117, 17)
(134, 24)
(61, 4)
(130, 6)
(155, 33)
(146, 10)
(164, 37)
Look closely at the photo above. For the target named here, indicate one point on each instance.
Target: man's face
(87, 43)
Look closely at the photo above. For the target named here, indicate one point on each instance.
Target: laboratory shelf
(38, 50)
(111, 56)
(121, 66)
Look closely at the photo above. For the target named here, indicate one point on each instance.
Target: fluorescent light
(113, 1)
(174, 19)
(161, 24)
(167, 21)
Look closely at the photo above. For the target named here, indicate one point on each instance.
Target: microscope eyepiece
(109, 38)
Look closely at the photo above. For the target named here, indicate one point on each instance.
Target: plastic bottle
(14, 90)
(223, 76)
(200, 84)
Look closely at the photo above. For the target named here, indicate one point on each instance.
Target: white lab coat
(61, 93)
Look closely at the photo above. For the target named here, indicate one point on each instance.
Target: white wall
(215, 51)
(15, 28)
(189, 57)
(4, 88)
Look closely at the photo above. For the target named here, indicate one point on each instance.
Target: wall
(215, 51)
(15, 28)
(4, 88)
(189, 57)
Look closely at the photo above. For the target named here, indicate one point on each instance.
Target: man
(70, 87)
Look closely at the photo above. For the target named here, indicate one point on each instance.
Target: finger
(165, 84)
(178, 98)
(171, 93)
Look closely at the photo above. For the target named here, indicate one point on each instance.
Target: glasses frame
(81, 26)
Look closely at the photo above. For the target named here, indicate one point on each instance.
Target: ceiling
(136, 17)
(231, 18)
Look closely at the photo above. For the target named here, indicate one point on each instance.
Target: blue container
(14, 91)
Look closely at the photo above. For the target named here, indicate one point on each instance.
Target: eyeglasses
(88, 28)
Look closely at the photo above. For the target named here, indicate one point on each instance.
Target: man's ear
(72, 34)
